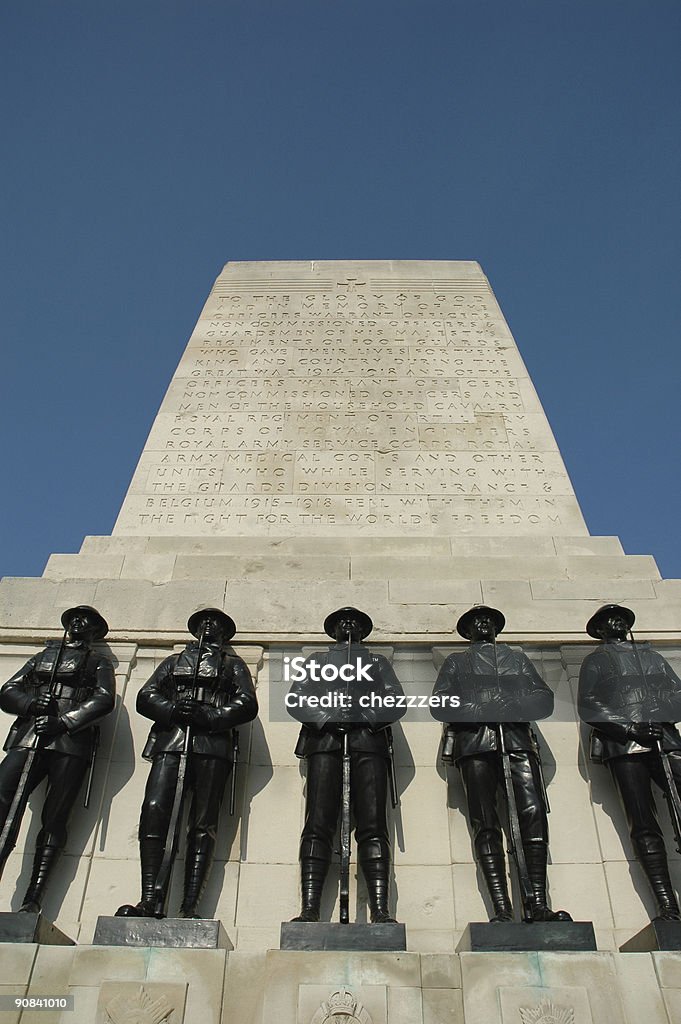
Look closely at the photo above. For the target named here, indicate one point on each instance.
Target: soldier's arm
(590, 705)
(536, 698)
(152, 701)
(17, 694)
(315, 717)
(450, 683)
(98, 704)
(382, 715)
(243, 706)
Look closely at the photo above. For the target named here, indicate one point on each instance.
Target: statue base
(514, 937)
(657, 935)
(308, 935)
(170, 931)
(31, 928)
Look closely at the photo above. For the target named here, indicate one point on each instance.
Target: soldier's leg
(369, 793)
(153, 830)
(10, 774)
(632, 774)
(209, 777)
(322, 804)
(65, 776)
(480, 777)
(531, 807)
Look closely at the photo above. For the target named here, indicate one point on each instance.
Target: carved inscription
(372, 404)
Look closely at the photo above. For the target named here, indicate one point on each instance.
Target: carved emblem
(547, 1012)
(341, 1008)
(139, 1009)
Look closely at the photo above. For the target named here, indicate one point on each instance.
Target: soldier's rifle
(671, 793)
(345, 819)
(172, 835)
(516, 848)
(10, 830)
(235, 761)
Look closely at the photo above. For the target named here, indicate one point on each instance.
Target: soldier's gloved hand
(645, 733)
(203, 716)
(49, 725)
(44, 705)
(182, 713)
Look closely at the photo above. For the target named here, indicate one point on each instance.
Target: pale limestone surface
(349, 433)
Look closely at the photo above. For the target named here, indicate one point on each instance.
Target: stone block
(470, 895)
(442, 1006)
(83, 567)
(519, 937)
(483, 974)
(333, 936)
(453, 593)
(140, 605)
(203, 971)
(268, 894)
(632, 903)
(431, 940)
(612, 567)
(113, 545)
(667, 967)
(376, 567)
(37, 604)
(423, 896)
(169, 933)
(157, 568)
(628, 593)
(16, 963)
(596, 972)
(115, 963)
(573, 833)
(30, 929)
(273, 567)
(423, 814)
(404, 1006)
(440, 970)
(266, 835)
(243, 992)
(588, 546)
(581, 890)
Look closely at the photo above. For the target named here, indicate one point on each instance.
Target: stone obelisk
(365, 433)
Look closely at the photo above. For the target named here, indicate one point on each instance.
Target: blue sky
(146, 143)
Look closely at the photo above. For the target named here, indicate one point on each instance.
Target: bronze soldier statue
(348, 750)
(195, 700)
(59, 696)
(631, 697)
(490, 740)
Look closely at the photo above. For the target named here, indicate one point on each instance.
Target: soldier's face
(482, 627)
(348, 626)
(212, 630)
(80, 626)
(615, 625)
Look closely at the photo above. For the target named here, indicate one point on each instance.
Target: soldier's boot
(536, 858)
(313, 871)
(374, 859)
(151, 856)
(653, 859)
(45, 858)
(198, 860)
(490, 854)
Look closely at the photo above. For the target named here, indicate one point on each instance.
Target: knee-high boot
(490, 853)
(653, 859)
(151, 855)
(536, 857)
(198, 860)
(45, 859)
(313, 871)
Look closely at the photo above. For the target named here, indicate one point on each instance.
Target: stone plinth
(170, 932)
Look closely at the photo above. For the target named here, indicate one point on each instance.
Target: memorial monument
(363, 434)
